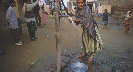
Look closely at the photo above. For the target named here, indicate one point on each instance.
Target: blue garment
(12, 18)
(51, 5)
(105, 22)
(105, 16)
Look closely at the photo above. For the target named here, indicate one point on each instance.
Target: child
(105, 18)
(83, 16)
(13, 23)
(128, 21)
(43, 16)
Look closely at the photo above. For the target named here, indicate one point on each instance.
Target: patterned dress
(89, 36)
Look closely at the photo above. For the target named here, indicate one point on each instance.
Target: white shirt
(12, 18)
(100, 9)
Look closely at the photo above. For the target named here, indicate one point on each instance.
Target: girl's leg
(106, 22)
(106, 26)
(92, 55)
(85, 43)
(102, 26)
(126, 29)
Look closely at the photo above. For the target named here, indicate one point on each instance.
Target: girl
(43, 16)
(127, 22)
(84, 17)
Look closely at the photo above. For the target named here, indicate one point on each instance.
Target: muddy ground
(40, 55)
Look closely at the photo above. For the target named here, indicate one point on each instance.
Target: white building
(91, 0)
(72, 4)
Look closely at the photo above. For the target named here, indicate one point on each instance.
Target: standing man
(37, 15)
(13, 23)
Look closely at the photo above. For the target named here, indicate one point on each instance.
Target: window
(74, 4)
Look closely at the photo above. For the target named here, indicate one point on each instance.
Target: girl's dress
(43, 17)
(127, 26)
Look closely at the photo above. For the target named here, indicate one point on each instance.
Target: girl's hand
(73, 19)
(70, 21)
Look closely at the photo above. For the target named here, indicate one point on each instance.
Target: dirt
(40, 55)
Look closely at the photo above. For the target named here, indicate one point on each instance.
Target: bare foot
(90, 60)
(81, 55)
(125, 32)
(128, 33)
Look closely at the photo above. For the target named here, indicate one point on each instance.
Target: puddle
(68, 59)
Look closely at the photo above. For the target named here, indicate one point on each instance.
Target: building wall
(20, 12)
(70, 5)
(118, 7)
(116, 2)
(108, 7)
(90, 0)
(2, 20)
(46, 7)
(16, 9)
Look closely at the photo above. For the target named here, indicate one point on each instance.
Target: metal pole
(57, 35)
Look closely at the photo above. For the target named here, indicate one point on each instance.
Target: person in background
(128, 18)
(31, 21)
(41, 3)
(100, 10)
(51, 7)
(105, 19)
(50, 4)
(37, 15)
(23, 8)
(83, 16)
(13, 23)
(43, 16)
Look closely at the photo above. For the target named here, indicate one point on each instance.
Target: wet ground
(40, 55)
